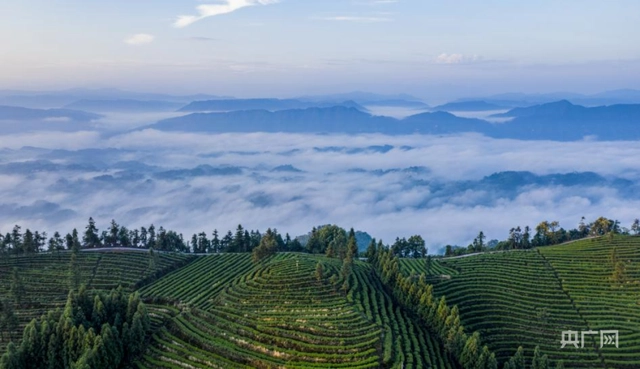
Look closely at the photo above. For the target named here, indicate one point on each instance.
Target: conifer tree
(91, 238)
(319, 272)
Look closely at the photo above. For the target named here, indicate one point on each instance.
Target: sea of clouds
(389, 186)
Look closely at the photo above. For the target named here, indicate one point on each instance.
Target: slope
(45, 278)
(278, 314)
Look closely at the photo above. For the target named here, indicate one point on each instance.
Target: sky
(251, 48)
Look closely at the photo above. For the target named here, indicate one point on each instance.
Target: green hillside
(528, 298)
(297, 310)
(605, 301)
(45, 279)
(279, 314)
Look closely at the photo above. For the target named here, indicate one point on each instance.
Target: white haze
(327, 190)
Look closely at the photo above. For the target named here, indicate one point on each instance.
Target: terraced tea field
(585, 270)
(45, 277)
(529, 297)
(225, 311)
(277, 314)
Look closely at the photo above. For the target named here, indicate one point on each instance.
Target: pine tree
(319, 271)
(517, 361)
(539, 361)
(492, 362)
(347, 266)
(352, 244)
(16, 239)
(75, 242)
(371, 251)
(238, 240)
(268, 246)
(151, 236)
(331, 252)
(215, 242)
(635, 227)
(29, 244)
(91, 238)
(471, 352)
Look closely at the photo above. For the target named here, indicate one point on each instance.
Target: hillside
(558, 121)
(222, 105)
(46, 278)
(468, 106)
(227, 311)
(337, 119)
(278, 314)
(124, 105)
(14, 119)
(529, 297)
(565, 121)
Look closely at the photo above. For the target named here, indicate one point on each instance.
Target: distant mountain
(124, 105)
(24, 114)
(398, 103)
(565, 121)
(446, 123)
(320, 120)
(261, 104)
(360, 97)
(286, 168)
(199, 171)
(623, 96)
(477, 105)
(57, 99)
(382, 149)
(16, 119)
(42, 166)
(560, 121)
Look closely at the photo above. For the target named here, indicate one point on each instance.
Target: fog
(389, 186)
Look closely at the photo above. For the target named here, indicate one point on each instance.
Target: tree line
(28, 242)
(546, 233)
(330, 240)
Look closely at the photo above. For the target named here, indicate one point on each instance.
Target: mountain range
(621, 96)
(57, 99)
(473, 105)
(17, 119)
(319, 120)
(124, 105)
(225, 105)
(559, 121)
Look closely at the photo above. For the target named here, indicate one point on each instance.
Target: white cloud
(139, 39)
(456, 58)
(210, 10)
(327, 191)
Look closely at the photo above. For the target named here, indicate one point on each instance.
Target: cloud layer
(445, 58)
(211, 10)
(388, 186)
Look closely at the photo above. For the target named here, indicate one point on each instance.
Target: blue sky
(288, 47)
